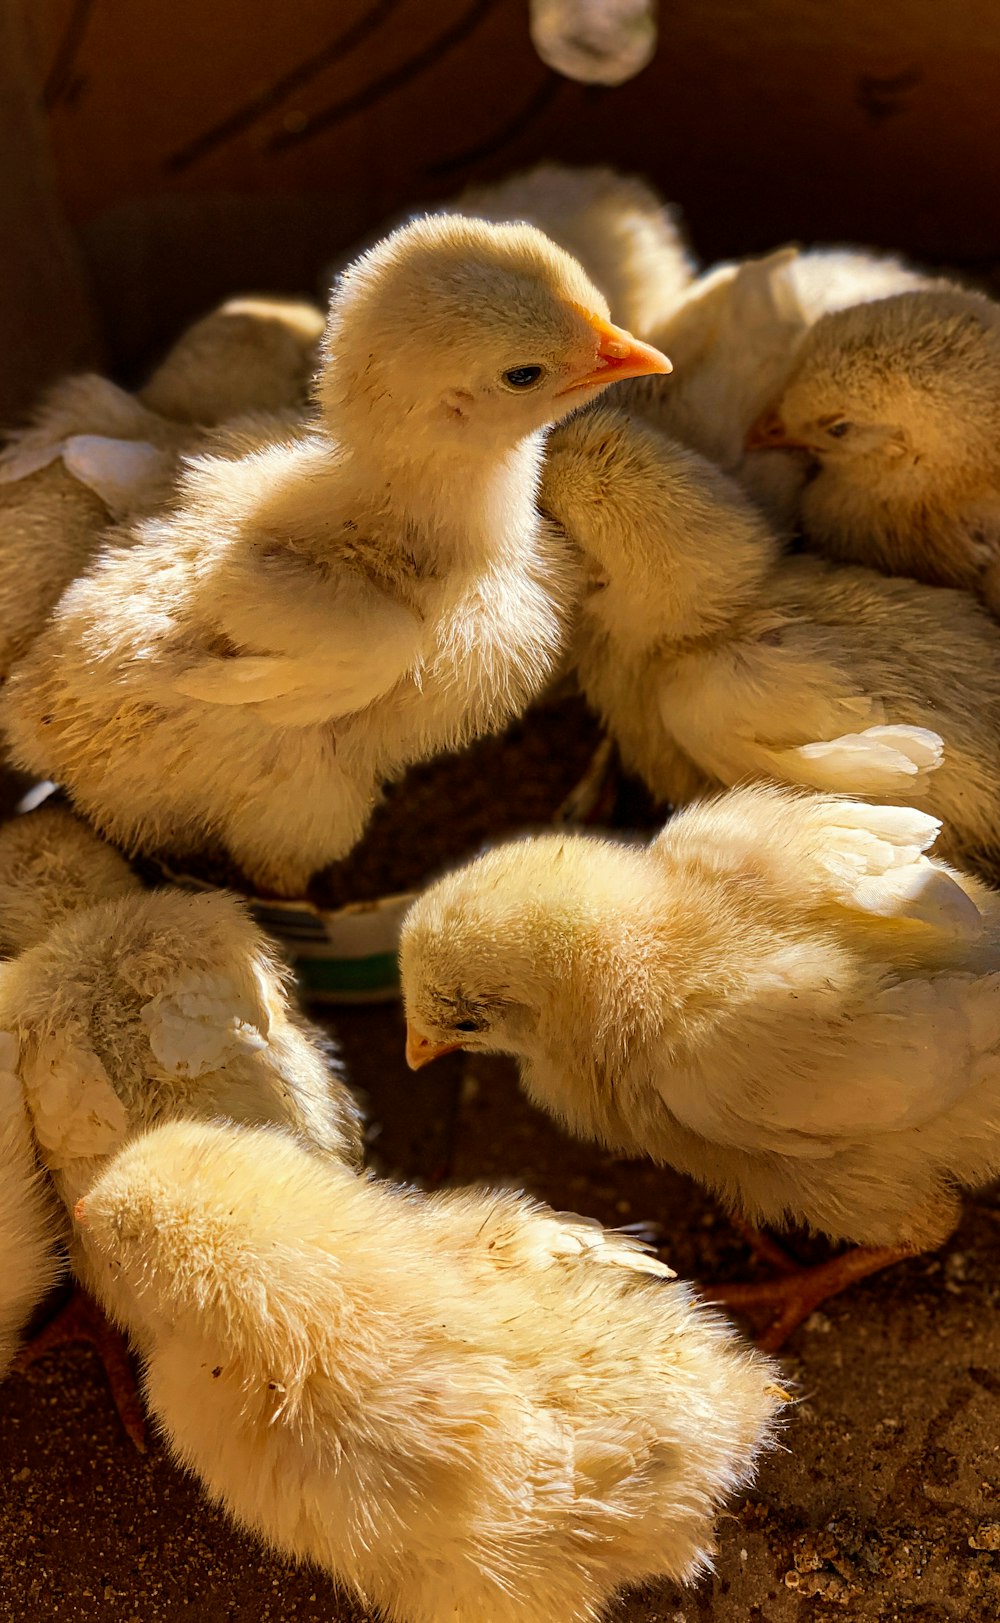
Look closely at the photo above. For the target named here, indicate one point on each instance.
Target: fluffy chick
(542, 1424)
(315, 616)
(94, 453)
(733, 339)
(128, 1007)
(622, 232)
(711, 657)
(780, 996)
(898, 403)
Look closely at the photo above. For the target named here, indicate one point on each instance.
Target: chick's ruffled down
(129, 1007)
(205, 682)
(782, 996)
(699, 626)
(436, 1453)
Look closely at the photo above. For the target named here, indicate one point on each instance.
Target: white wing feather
(198, 1025)
(121, 472)
(75, 1110)
(878, 761)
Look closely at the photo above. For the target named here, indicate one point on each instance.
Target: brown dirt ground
(883, 1505)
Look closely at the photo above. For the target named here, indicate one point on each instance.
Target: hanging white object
(597, 42)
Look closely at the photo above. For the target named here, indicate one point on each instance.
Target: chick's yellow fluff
(318, 613)
(713, 658)
(452, 1403)
(781, 996)
(125, 1007)
(624, 235)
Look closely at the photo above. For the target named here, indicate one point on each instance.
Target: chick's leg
(797, 1292)
(81, 1321)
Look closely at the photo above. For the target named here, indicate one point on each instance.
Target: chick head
(52, 864)
(898, 388)
(487, 332)
(495, 957)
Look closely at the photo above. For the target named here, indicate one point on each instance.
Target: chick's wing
(313, 655)
(776, 705)
(920, 1048)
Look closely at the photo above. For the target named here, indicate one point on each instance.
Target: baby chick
(462, 1406)
(733, 338)
(94, 453)
(780, 996)
(713, 658)
(315, 616)
(898, 402)
(624, 235)
(127, 1007)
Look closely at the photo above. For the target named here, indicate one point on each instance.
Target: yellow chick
(780, 996)
(462, 1406)
(128, 1006)
(733, 339)
(255, 353)
(94, 453)
(898, 402)
(622, 232)
(315, 616)
(29, 1213)
(713, 658)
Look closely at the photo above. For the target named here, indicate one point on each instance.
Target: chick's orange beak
(769, 433)
(420, 1050)
(619, 356)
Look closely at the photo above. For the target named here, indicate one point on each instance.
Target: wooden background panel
(206, 144)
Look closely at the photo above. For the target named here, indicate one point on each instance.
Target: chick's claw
(797, 1292)
(82, 1322)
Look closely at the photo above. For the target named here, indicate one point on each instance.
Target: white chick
(622, 232)
(30, 1259)
(733, 340)
(314, 617)
(94, 453)
(780, 996)
(898, 402)
(130, 1006)
(462, 1406)
(712, 658)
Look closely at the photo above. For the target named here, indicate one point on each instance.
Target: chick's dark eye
(466, 1025)
(837, 431)
(523, 377)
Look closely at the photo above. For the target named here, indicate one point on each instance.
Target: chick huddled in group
(125, 1007)
(463, 1406)
(624, 235)
(781, 996)
(93, 453)
(713, 658)
(314, 616)
(898, 402)
(733, 338)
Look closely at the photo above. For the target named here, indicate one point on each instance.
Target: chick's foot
(789, 1299)
(81, 1321)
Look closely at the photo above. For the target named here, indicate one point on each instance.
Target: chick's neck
(464, 503)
